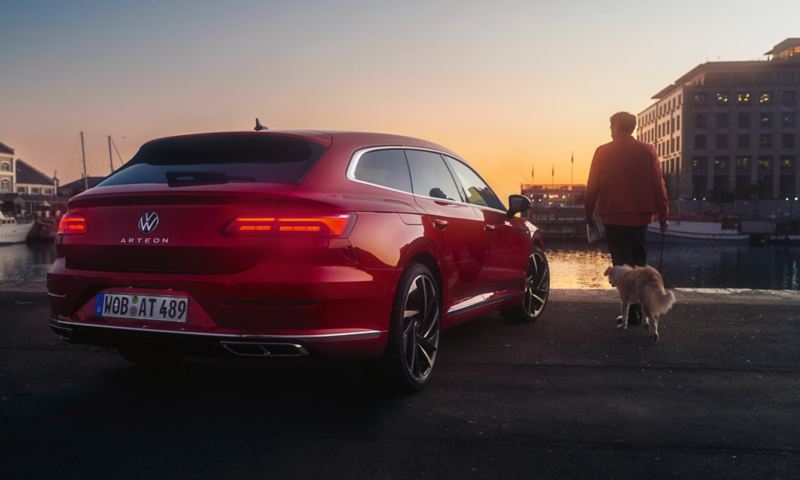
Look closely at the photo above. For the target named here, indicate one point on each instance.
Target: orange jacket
(625, 184)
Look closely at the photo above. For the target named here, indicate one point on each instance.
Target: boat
(13, 232)
(704, 229)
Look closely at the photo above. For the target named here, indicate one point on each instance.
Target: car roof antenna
(259, 127)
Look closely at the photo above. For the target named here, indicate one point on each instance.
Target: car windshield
(220, 158)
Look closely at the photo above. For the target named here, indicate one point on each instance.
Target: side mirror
(517, 204)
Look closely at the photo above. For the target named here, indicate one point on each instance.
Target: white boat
(726, 230)
(13, 232)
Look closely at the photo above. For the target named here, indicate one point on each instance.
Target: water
(573, 265)
(21, 263)
(577, 265)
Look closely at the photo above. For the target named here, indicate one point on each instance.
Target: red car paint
(329, 294)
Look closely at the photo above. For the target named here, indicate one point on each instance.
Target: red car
(283, 244)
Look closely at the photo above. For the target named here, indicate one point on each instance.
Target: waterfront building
(24, 189)
(36, 190)
(69, 190)
(6, 169)
(729, 131)
(558, 195)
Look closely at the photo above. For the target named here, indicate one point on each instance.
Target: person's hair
(623, 122)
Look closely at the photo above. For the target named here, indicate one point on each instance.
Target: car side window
(478, 192)
(387, 168)
(430, 176)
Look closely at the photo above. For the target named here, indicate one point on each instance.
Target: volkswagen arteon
(294, 243)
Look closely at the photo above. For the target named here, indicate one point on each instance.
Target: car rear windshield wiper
(189, 178)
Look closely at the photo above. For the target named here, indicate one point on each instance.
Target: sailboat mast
(83, 155)
(110, 158)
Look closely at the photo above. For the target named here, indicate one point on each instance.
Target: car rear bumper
(352, 343)
(327, 310)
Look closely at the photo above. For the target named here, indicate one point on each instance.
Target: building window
(765, 97)
(744, 120)
(787, 140)
(764, 163)
(5, 167)
(678, 144)
(699, 99)
(700, 120)
(699, 164)
(677, 122)
(743, 141)
(722, 120)
(743, 98)
(36, 190)
(765, 119)
(765, 141)
(789, 119)
(699, 141)
(721, 164)
(789, 97)
(721, 141)
(48, 191)
(787, 163)
(742, 163)
(5, 185)
(721, 98)
(22, 190)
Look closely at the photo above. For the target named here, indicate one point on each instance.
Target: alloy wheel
(421, 327)
(537, 285)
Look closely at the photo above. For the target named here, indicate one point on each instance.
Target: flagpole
(553, 175)
(571, 170)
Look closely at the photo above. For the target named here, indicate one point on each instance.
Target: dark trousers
(627, 247)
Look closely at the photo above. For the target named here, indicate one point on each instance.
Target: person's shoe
(635, 316)
(619, 321)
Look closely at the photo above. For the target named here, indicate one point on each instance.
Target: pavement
(568, 396)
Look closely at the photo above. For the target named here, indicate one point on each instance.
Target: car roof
(326, 138)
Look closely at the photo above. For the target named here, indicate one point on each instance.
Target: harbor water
(573, 265)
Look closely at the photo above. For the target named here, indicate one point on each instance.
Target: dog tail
(663, 301)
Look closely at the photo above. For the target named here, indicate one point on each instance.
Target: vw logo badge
(148, 222)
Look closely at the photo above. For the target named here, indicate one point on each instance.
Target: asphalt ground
(569, 396)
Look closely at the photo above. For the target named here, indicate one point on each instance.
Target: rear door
(457, 227)
(508, 244)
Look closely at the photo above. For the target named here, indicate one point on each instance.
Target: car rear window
(208, 159)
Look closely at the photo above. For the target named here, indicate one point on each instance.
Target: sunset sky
(508, 85)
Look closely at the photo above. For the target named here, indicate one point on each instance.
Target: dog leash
(661, 252)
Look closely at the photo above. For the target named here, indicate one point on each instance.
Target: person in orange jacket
(626, 190)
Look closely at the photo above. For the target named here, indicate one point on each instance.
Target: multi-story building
(6, 169)
(24, 190)
(730, 130)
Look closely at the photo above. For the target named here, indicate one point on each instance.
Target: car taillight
(326, 225)
(71, 224)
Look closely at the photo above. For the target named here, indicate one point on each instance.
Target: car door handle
(489, 228)
(440, 224)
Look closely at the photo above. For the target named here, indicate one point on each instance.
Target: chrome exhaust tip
(253, 349)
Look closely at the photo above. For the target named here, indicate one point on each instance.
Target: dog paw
(655, 338)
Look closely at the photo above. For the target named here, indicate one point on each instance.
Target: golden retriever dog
(645, 286)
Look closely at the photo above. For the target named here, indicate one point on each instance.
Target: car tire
(150, 358)
(536, 291)
(414, 331)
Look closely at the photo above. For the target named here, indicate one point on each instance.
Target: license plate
(142, 307)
